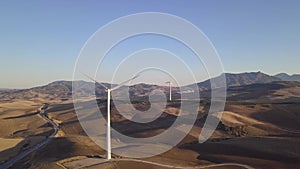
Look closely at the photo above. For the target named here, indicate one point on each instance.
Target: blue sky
(39, 42)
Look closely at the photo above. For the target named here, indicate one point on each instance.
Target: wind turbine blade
(95, 81)
(121, 84)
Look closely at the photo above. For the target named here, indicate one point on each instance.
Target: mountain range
(286, 77)
(63, 89)
(240, 79)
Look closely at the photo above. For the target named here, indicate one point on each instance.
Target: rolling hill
(259, 126)
(63, 89)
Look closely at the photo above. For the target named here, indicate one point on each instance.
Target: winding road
(20, 156)
(195, 167)
(102, 161)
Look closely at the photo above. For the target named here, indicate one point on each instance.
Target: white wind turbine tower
(170, 90)
(108, 135)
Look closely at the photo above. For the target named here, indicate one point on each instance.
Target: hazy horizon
(137, 82)
(41, 41)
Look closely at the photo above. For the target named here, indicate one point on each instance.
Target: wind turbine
(108, 135)
(170, 90)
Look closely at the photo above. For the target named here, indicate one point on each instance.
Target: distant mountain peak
(240, 79)
(287, 77)
(253, 77)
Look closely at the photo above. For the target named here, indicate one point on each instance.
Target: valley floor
(253, 135)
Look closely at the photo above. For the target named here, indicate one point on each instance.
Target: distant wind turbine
(170, 90)
(108, 135)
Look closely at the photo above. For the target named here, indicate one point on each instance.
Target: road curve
(181, 167)
(195, 167)
(20, 156)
